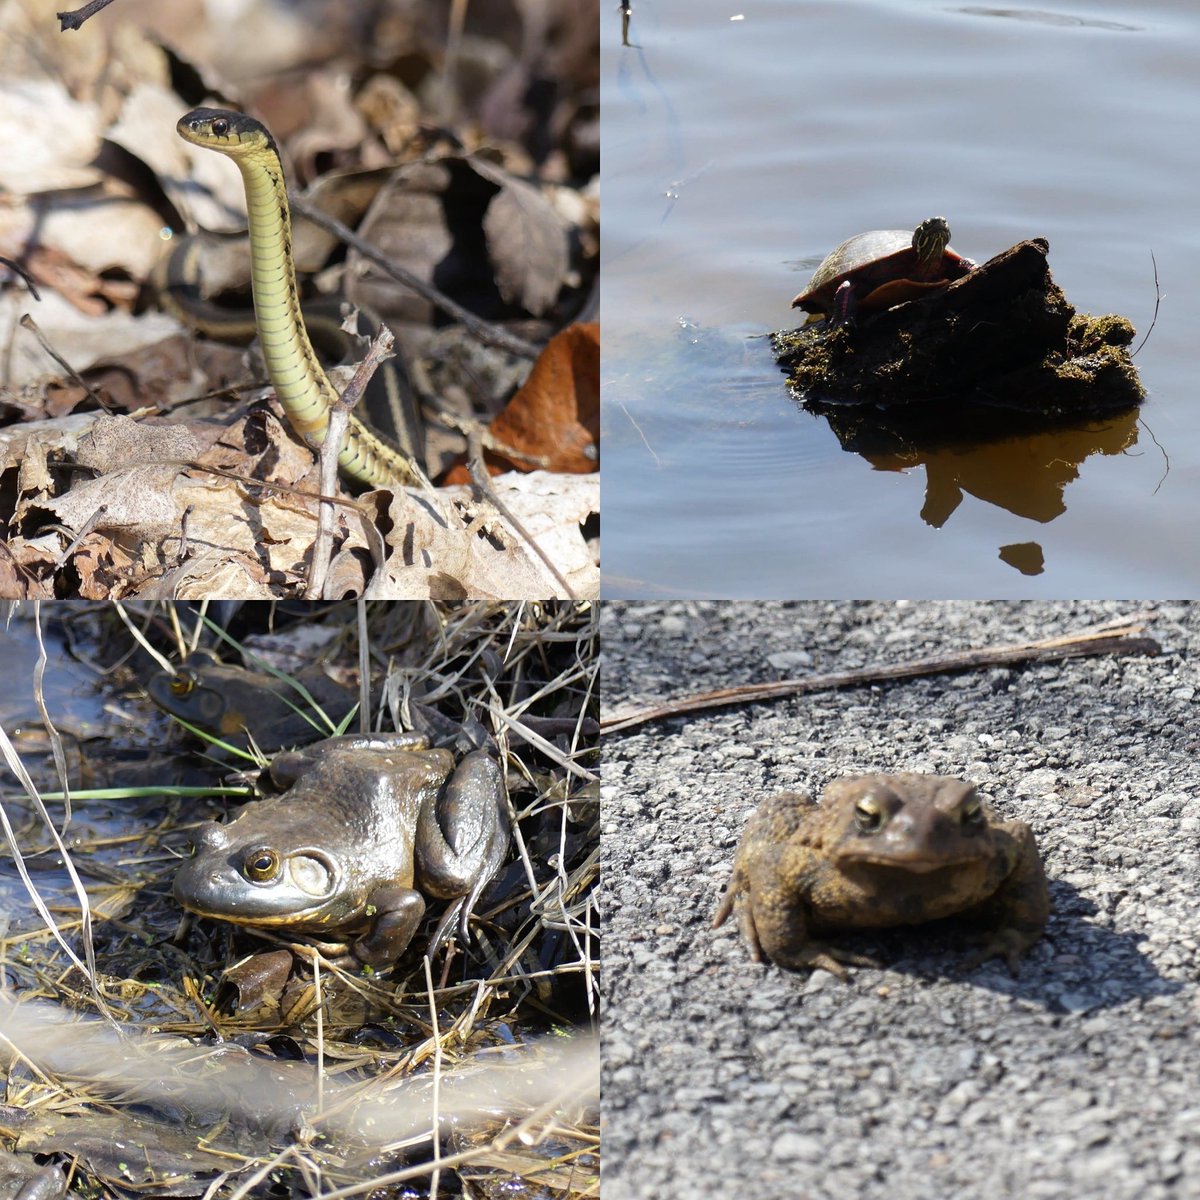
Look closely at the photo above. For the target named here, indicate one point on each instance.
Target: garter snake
(300, 382)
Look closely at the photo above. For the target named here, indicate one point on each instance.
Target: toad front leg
(775, 923)
(1017, 913)
(766, 887)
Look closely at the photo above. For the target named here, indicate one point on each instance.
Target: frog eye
(868, 814)
(183, 683)
(260, 865)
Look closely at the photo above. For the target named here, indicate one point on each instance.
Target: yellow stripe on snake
(300, 382)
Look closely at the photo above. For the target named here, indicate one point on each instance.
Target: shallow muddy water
(743, 141)
(129, 1108)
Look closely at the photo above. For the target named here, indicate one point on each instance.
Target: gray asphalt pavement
(1080, 1078)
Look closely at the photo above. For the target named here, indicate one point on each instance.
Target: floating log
(1004, 335)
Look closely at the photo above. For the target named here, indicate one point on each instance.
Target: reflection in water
(747, 234)
(1049, 18)
(1026, 474)
(639, 85)
(1027, 557)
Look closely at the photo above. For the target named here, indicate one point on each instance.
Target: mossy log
(1004, 335)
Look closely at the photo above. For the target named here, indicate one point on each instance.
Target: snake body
(300, 382)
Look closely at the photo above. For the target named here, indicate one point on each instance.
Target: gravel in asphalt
(1080, 1078)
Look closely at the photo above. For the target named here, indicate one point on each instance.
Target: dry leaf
(527, 241)
(114, 441)
(47, 139)
(434, 557)
(480, 235)
(21, 569)
(82, 340)
(555, 417)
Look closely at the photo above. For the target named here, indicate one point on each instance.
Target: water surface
(742, 140)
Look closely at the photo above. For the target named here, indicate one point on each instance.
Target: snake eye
(260, 865)
(183, 684)
(220, 127)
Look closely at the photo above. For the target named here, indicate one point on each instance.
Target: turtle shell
(870, 260)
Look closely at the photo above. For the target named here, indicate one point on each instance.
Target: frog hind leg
(398, 912)
(463, 834)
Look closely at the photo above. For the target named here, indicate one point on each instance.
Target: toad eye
(183, 684)
(220, 127)
(972, 814)
(868, 815)
(260, 865)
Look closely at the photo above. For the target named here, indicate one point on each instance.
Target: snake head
(226, 131)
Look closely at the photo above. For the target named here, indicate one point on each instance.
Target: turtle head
(930, 240)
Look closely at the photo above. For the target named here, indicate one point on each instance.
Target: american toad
(883, 850)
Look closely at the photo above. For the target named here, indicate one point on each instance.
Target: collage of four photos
(392, 807)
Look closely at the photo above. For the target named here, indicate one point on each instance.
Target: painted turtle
(876, 270)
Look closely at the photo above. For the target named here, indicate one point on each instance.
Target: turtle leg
(845, 301)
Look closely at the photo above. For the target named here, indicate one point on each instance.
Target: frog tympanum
(229, 702)
(367, 828)
(880, 851)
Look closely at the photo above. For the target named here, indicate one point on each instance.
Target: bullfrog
(229, 702)
(881, 851)
(365, 830)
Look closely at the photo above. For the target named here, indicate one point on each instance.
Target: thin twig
(1126, 636)
(140, 638)
(27, 322)
(319, 1065)
(87, 528)
(364, 665)
(318, 568)
(1162, 450)
(482, 483)
(17, 269)
(645, 441)
(183, 533)
(435, 1100)
(56, 746)
(335, 436)
(76, 18)
(87, 970)
(1157, 302)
